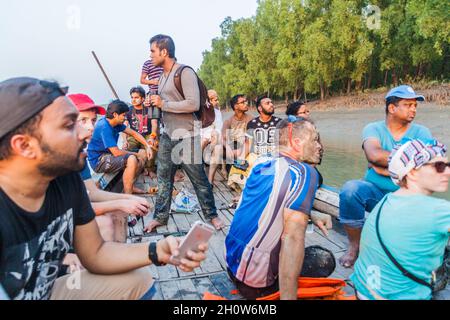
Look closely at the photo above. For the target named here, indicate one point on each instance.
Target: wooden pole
(104, 74)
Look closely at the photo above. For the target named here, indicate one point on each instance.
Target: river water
(341, 135)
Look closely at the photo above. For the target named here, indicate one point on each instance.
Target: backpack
(206, 112)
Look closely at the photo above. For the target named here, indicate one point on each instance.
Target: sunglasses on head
(439, 165)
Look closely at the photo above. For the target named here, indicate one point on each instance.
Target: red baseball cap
(83, 103)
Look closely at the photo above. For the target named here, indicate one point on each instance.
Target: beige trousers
(83, 285)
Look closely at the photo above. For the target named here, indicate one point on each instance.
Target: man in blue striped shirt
(266, 243)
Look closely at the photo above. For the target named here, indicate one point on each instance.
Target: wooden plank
(204, 284)
(181, 222)
(188, 290)
(217, 245)
(328, 196)
(326, 208)
(158, 295)
(211, 264)
(317, 239)
(170, 290)
(167, 272)
(224, 285)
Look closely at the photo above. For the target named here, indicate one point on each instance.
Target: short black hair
(235, 99)
(164, 42)
(139, 90)
(293, 107)
(29, 127)
(259, 99)
(116, 106)
(392, 100)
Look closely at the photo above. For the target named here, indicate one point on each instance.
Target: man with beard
(265, 248)
(45, 210)
(261, 130)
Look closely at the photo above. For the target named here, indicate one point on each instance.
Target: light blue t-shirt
(104, 137)
(379, 131)
(415, 231)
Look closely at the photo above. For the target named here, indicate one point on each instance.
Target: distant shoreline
(435, 94)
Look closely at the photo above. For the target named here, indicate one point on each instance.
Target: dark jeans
(188, 154)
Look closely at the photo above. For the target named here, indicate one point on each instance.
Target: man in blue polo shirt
(379, 138)
(104, 155)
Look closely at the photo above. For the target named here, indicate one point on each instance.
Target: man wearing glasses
(234, 128)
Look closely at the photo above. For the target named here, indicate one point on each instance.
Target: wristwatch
(153, 255)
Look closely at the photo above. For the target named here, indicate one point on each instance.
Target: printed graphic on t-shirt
(31, 268)
(263, 135)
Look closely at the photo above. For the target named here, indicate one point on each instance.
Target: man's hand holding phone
(168, 247)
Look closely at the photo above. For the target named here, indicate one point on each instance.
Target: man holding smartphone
(45, 209)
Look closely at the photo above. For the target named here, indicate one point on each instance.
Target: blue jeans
(355, 198)
(187, 153)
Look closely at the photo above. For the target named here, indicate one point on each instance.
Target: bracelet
(153, 255)
(153, 135)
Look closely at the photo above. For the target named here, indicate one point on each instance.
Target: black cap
(23, 98)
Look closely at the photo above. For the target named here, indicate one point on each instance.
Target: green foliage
(295, 47)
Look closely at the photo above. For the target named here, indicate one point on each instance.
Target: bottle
(155, 112)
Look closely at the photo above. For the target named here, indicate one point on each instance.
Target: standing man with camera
(180, 144)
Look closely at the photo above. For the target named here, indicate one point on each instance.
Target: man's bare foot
(152, 225)
(349, 258)
(217, 223)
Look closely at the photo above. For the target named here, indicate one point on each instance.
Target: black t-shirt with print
(262, 135)
(33, 245)
(140, 121)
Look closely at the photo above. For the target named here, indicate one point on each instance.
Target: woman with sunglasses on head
(403, 241)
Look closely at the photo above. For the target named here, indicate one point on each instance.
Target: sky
(53, 39)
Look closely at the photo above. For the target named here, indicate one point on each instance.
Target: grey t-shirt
(177, 113)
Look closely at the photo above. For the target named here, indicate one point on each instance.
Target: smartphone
(200, 233)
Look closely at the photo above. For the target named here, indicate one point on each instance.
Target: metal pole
(104, 74)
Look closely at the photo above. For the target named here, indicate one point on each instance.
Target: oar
(104, 74)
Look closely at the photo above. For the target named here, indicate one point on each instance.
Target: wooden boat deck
(174, 284)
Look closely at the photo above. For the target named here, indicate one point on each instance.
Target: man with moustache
(45, 210)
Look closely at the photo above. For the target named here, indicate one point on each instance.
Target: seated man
(379, 138)
(412, 225)
(111, 209)
(233, 133)
(139, 120)
(266, 242)
(211, 140)
(105, 156)
(298, 109)
(45, 210)
(261, 130)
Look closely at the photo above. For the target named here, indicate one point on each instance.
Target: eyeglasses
(439, 165)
